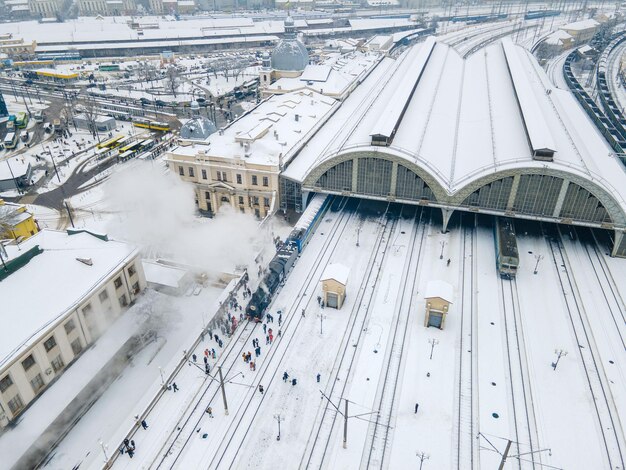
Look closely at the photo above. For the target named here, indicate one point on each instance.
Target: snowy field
(484, 379)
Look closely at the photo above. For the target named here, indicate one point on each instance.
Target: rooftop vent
(87, 261)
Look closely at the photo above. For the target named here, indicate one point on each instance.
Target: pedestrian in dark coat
(195, 358)
(318, 377)
(264, 328)
(144, 424)
(175, 387)
(206, 361)
(285, 376)
(260, 388)
(294, 381)
(416, 407)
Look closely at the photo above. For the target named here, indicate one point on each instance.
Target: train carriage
(507, 256)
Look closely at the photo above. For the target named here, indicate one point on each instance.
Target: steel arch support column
(513, 194)
(355, 175)
(619, 245)
(446, 214)
(561, 199)
(305, 198)
(394, 179)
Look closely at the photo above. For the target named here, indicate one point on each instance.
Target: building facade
(238, 166)
(219, 182)
(35, 352)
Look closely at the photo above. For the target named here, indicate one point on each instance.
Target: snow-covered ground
(376, 353)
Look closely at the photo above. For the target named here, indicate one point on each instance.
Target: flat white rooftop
(268, 133)
(52, 283)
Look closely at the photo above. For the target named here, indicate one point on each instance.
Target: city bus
(21, 120)
(111, 143)
(134, 146)
(10, 140)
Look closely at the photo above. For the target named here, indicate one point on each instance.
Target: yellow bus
(111, 143)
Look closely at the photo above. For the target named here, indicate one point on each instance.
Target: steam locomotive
(286, 256)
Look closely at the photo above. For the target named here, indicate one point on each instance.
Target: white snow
(337, 272)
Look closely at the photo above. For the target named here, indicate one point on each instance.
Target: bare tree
(89, 109)
(172, 79)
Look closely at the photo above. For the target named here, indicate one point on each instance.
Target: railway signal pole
(443, 244)
(278, 418)
(322, 316)
(559, 354)
(422, 456)
(538, 258)
(433, 342)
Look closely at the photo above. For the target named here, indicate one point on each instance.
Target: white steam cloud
(156, 211)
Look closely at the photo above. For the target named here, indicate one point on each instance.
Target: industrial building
(60, 291)
(487, 134)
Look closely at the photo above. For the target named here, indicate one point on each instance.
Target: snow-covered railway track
(526, 440)
(601, 398)
(466, 412)
(185, 428)
(319, 440)
(614, 301)
(271, 369)
(379, 432)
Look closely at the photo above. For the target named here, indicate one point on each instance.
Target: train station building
(487, 134)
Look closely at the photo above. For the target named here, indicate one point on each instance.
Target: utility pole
(433, 342)
(345, 426)
(559, 353)
(538, 258)
(443, 244)
(54, 165)
(422, 456)
(69, 214)
(505, 454)
(278, 418)
(219, 369)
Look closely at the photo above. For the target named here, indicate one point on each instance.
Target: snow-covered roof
(344, 71)
(337, 272)
(581, 25)
(269, 133)
(157, 273)
(463, 122)
(17, 167)
(198, 128)
(53, 283)
(440, 289)
(558, 37)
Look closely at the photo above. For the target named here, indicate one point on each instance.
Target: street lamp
(443, 244)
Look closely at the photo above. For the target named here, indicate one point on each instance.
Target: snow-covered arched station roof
(463, 123)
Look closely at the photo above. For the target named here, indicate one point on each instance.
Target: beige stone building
(438, 297)
(238, 166)
(334, 283)
(106, 7)
(581, 31)
(60, 291)
(16, 47)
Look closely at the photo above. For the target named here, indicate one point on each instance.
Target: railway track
(379, 432)
(601, 398)
(229, 449)
(614, 301)
(525, 426)
(466, 413)
(184, 429)
(319, 440)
